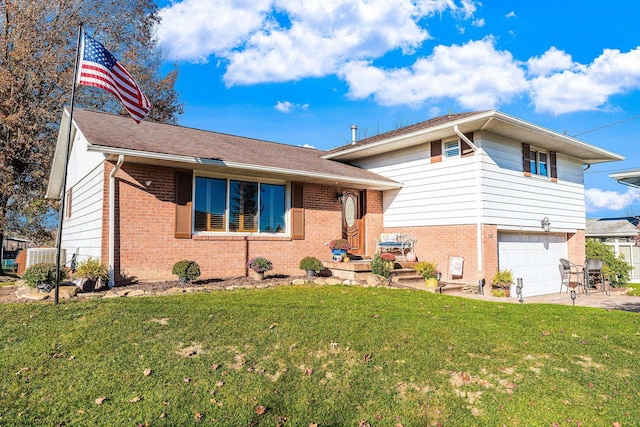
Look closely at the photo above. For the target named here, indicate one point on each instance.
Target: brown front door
(352, 223)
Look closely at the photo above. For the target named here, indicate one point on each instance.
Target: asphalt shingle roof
(121, 132)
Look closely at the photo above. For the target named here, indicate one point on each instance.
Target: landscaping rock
(333, 281)
(375, 280)
(136, 293)
(64, 292)
(299, 282)
(173, 291)
(27, 293)
(112, 294)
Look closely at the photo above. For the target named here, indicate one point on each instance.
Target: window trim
(534, 159)
(445, 152)
(228, 179)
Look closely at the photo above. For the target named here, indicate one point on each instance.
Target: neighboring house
(622, 234)
(473, 185)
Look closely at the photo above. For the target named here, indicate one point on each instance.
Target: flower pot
(256, 276)
(431, 283)
(311, 273)
(45, 287)
(338, 254)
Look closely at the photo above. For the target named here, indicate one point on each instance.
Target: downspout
(476, 153)
(112, 219)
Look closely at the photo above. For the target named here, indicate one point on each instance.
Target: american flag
(99, 68)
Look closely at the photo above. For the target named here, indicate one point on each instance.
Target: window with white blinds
(238, 206)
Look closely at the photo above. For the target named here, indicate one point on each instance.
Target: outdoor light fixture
(339, 196)
(519, 289)
(546, 224)
(573, 295)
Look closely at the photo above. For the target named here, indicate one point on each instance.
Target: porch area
(403, 275)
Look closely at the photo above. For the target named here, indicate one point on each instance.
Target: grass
(634, 289)
(331, 356)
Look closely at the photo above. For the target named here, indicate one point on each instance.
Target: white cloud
(587, 87)
(195, 29)
(314, 38)
(476, 75)
(288, 107)
(552, 60)
(265, 41)
(598, 199)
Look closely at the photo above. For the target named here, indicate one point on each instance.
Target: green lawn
(331, 356)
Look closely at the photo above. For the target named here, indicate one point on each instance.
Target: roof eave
(479, 122)
(364, 183)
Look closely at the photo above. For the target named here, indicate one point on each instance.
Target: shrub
(259, 264)
(381, 267)
(42, 273)
(310, 263)
(428, 269)
(92, 268)
(186, 270)
(498, 293)
(340, 244)
(503, 279)
(615, 267)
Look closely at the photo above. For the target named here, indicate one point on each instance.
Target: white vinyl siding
(82, 231)
(514, 201)
(432, 193)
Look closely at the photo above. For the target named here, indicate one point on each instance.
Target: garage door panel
(535, 258)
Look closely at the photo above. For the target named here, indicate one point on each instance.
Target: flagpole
(66, 167)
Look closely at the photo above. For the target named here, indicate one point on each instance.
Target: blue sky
(302, 72)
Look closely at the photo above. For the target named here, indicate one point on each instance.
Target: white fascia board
(367, 183)
(552, 134)
(417, 133)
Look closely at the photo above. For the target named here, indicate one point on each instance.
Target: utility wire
(606, 126)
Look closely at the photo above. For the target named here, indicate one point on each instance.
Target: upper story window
(539, 163)
(451, 149)
(237, 206)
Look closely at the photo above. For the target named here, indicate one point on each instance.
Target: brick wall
(438, 243)
(576, 247)
(146, 248)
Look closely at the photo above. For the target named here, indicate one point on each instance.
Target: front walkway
(616, 301)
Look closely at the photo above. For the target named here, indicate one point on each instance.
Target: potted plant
(339, 248)
(429, 271)
(43, 276)
(91, 274)
(186, 271)
(502, 281)
(311, 265)
(258, 266)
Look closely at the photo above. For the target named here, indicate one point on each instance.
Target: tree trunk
(2, 252)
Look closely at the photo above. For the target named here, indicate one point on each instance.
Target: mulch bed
(7, 293)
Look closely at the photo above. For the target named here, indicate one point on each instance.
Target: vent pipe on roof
(354, 129)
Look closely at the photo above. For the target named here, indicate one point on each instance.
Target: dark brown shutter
(526, 158)
(465, 149)
(436, 151)
(297, 211)
(554, 165)
(184, 181)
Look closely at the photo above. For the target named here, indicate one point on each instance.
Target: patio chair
(572, 275)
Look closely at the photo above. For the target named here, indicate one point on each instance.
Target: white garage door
(535, 258)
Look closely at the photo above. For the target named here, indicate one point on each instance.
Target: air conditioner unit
(40, 255)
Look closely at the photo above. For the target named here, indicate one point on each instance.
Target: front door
(352, 223)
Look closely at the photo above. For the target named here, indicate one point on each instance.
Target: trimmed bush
(186, 270)
(310, 263)
(43, 273)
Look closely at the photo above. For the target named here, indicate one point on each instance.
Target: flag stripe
(99, 68)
